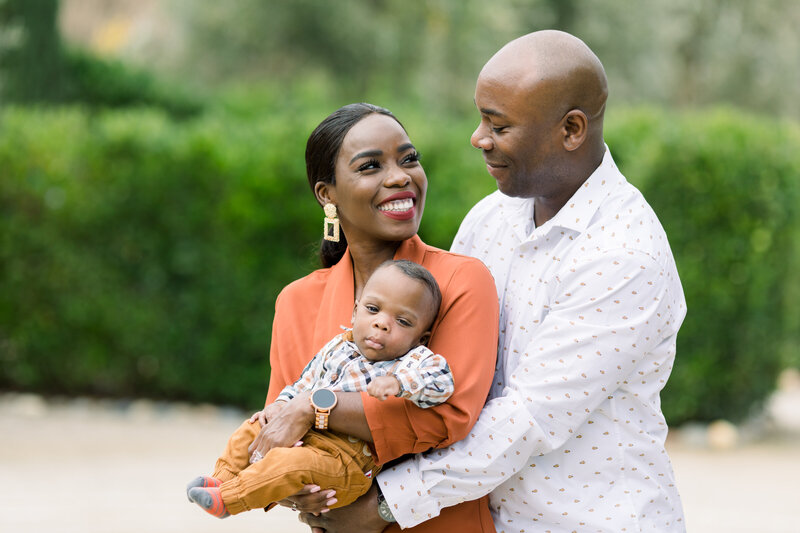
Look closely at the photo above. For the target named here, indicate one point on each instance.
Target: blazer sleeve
(277, 379)
(466, 335)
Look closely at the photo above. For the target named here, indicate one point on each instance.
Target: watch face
(384, 511)
(323, 399)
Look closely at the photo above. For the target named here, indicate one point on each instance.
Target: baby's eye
(403, 322)
(371, 308)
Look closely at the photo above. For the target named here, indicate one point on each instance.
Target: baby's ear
(425, 338)
(353, 318)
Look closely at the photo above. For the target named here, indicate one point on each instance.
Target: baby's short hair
(420, 273)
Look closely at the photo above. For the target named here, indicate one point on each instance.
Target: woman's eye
(413, 157)
(369, 165)
(499, 129)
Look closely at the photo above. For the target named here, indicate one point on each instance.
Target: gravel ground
(87, 466)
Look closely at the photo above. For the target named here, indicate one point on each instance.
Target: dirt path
(103, 467)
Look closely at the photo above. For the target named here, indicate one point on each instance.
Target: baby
(385, 354)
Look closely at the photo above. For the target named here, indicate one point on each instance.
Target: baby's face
(393, 315)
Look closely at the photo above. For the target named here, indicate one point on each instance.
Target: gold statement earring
(331, 227)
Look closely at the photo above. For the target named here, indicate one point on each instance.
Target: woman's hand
(361, 515)
(383, 386)
(268, 413)
(311, 500)
(285, 428)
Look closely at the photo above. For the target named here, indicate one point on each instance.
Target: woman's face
(380, 184)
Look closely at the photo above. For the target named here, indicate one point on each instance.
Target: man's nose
(480, 138)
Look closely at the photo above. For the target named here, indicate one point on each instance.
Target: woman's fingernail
(331, 494)
(331, 502)
(314, 488)
(324, 511)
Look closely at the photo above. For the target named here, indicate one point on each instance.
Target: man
(572, 437)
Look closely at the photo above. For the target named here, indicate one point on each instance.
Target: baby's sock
(202, 481)
(210, 500)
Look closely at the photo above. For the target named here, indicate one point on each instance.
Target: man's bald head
(565, 73)
(542, 98)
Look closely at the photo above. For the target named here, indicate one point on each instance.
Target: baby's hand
(383, 386)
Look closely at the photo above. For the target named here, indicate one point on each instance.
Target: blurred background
(153, 198)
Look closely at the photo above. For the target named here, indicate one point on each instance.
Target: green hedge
(726, 187)
(143, 257)
(140, 255)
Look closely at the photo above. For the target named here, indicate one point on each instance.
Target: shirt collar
(576, 213)
(341, 277)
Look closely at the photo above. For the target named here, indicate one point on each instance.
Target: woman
(361, 161)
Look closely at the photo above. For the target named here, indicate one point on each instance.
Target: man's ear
(575, 126)
(425, 338)
(325, 193)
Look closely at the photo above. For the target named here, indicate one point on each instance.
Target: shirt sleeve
(425, 378)
(554, 387)
(276, 380)
(466, 335)
(311, 373)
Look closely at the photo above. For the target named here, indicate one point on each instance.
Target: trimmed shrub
(140, 255)
(725, 187)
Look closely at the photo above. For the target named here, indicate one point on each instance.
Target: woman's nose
(480, 138)
(397, 177)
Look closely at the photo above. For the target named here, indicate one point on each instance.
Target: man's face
(393, 315)
(518, 135)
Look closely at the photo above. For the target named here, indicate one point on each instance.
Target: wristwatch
(323, 401)
(383, 507)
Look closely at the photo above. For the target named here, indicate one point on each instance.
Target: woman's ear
(325, 193)
(575, 128)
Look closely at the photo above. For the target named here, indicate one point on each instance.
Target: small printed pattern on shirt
(424, 376)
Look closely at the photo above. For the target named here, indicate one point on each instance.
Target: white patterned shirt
(572, 436)
(425, 377)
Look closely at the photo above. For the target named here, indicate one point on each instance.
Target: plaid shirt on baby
(424, 376)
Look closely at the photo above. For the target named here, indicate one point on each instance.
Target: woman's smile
(399, 206)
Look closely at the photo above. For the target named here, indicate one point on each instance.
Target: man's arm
(598, 329)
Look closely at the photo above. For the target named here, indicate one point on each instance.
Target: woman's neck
(366, 258)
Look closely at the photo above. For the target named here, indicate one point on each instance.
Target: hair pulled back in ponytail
(322, 150)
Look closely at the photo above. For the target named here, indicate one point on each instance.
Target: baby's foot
(210, 500)
(202, 481)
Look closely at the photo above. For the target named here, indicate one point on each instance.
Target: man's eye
(499, 129)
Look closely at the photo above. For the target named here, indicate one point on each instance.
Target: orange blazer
(311, 310)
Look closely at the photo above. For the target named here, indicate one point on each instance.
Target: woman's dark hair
(322, 149)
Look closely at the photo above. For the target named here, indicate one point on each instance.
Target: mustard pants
(328, 459)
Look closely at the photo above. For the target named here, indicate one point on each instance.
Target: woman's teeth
(397, 205)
